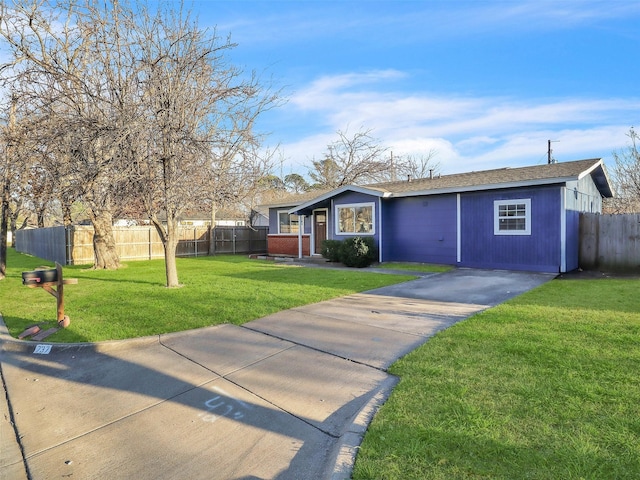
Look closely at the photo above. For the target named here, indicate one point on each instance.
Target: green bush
(331, 250)
(358, 252)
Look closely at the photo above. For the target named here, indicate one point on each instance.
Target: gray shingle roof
(500, 176)
(481, 180)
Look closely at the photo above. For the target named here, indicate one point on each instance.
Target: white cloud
(468, 133)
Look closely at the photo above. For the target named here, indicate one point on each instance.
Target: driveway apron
(288, 396)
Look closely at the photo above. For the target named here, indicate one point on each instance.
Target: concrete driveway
(287, 396)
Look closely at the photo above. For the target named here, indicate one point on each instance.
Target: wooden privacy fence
(610, 242)
(74, 245)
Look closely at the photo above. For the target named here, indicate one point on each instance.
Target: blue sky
(483, 83)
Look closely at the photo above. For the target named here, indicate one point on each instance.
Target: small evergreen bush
(358, 252)
(331, 250)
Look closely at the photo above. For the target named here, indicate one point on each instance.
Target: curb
(11, 344)
(343, 457)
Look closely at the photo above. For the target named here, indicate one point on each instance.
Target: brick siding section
(287, 245)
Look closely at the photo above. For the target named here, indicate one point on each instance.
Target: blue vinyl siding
(540, 251)
(420, 229)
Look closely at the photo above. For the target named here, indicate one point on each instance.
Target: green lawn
(545, 386)
(133, 302)
(416, 267)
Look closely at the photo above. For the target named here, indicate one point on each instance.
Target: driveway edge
(342, 459)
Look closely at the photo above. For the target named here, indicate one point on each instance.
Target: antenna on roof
(550, 159)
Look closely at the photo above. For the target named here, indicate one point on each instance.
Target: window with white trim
(512, 217)
(288, 223)
(355, 219)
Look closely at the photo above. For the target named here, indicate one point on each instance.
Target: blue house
(510, 218)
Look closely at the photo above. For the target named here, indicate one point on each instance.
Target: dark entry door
(320, 229)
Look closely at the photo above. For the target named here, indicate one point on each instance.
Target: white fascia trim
(300, 231)
(338, 191)
(589, 170)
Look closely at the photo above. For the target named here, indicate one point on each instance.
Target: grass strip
(415, 267)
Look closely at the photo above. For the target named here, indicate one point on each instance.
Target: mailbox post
(47, 279)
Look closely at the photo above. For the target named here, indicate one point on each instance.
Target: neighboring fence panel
(136, 243)
(47, 243)
(610, 242)
(74, 245)
(240, 239)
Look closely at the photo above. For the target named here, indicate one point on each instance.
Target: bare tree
(199, 113)
(72, 74)
(132, 107)
(356, 159)
(416, 166)
(626, 174)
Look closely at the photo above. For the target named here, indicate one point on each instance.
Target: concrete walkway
(288, 396)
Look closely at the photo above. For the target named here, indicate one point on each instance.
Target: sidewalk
(288, 396)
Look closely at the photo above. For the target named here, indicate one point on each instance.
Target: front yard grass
(545, 386)
(416, 267)
(133, 302)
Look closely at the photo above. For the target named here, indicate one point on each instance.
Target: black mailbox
(38, 277)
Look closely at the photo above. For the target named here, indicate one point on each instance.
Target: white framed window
(288, 224)
(512, 217)
(355, 219)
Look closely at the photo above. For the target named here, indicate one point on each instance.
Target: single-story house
(523, 218)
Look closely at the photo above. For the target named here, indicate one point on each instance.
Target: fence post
(67, 240)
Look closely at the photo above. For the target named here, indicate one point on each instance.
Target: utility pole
(549, 159)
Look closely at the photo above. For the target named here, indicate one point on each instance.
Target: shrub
(358, 252)
(331, 250)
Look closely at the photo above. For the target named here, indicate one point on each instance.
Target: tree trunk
(212, 243)
(13, 226)
(66, 214)
(4, 217)
(170, 246)
(40, 217)
(170, 266)
(169, 237)
(3, 228)
(104, 245)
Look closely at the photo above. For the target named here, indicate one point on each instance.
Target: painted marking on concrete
(223, 405)
(42, 349)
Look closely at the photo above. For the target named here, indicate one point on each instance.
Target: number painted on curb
(42, 349)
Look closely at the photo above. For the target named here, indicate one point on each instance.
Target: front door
(319, 229)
